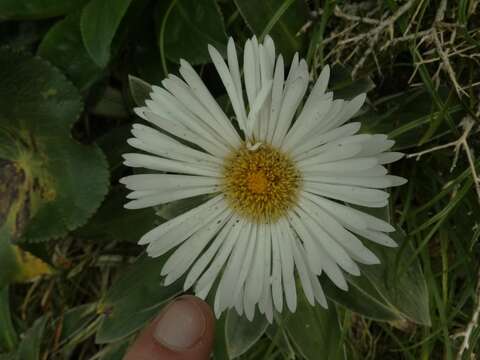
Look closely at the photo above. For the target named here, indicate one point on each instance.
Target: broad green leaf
(344, 87)
(54, 184)
(8, 261)
(29, 348)
(286, 16)
(187, 27)
(139, 89)
(17, 264)
(63, 47)
(29, 267)
(8, 335)
(363, 298)
(113, 222)
(114, 144)
(280, 339)
(74, 325)
(114, 351)
(387, 291)
(36, 9)
(241, 334)
(134, 299)
(402, 288)
(110, 104)
(314, 330)
(99, 23)
(220, 347)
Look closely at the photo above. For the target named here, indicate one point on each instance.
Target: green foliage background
(73, 283)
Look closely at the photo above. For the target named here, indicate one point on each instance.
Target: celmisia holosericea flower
(280, 177)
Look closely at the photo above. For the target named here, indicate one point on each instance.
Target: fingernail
(181, 326)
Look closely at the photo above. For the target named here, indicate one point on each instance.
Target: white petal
(333, 153)
(375, 236)
(172, 106)
(230, 83)
(161, 164)
(377, 182)
(292, 98)
(200, 119)
(203, 261)
(349, 110)
(308, 119)
(178, 129)
(254, 283)
(205, 282)
(161, 197)
(155, 142)
(351, 194)
(256, 106)
(231, 283)
(342, 166)
(160, 245)
(321, 237)
(190, 216)
(341, 212)
(311, 146)
(318, 291)
(276, 273)
(301, 265)
(204, 95)
(277, 97)
(162, 182)
(250, 72)
(347, 240)
(285, 240)
(186, 253)
(389, 157)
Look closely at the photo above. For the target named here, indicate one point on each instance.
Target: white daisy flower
(280, 176)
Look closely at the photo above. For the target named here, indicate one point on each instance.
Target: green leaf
(113, 221)
(55, 183)
(314, 330)
(114, 351)
(280, 339)
(188, 26)
(110, 104)
(29, 348)
(284, 17)
(363, 298)
(220, 347)
(345, 87)
(241, 334)
(63, 47)
(99, 23)
(404, 289)
(74, 324)
(36, 9)
(8, 335)
(8, 261)
(134, 299)
(139, 89)
(405, 117)
(387, 291)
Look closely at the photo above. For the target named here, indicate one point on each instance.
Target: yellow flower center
(260, 184)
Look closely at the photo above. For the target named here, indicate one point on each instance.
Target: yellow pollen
(260, 185)
(257, 182)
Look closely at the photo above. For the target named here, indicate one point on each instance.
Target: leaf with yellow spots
(18, 265)
(49, 183)
(29, 266)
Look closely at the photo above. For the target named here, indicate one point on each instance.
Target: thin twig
(472, 324)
